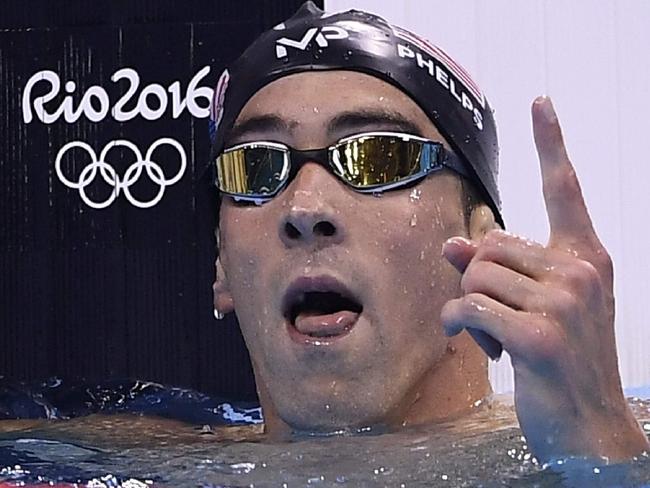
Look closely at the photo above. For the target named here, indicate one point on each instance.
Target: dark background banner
(106, 224)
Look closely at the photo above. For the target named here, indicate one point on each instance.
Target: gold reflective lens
(378, 159)
(252, 170)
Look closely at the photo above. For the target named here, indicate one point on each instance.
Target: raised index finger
(567, 213)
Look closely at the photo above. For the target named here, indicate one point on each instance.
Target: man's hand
(552, 309)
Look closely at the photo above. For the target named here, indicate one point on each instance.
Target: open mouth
(320, 308)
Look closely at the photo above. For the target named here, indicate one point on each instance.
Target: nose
(310, 218)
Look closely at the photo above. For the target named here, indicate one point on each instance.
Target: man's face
(328, 362)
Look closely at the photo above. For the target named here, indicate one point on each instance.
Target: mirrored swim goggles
(371, 162)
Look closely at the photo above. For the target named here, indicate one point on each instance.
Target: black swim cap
(313, 40)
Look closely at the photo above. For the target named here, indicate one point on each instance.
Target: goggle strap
(453, 162)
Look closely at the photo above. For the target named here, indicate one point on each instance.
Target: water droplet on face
(377, 194)
(422, 256)
(386, 260)
(414, 220)
(381, 99)
(415, 195)
(480, 308)
(315, 110)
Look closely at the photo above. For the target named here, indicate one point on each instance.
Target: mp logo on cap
(321, 36)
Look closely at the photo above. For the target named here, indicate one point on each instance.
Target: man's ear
(481, 222)
(222, 298)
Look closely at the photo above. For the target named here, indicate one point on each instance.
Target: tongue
(337, 323)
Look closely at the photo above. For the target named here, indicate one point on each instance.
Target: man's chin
(322, 422)
(349, 409)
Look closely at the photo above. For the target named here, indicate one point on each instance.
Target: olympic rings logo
(131, 175)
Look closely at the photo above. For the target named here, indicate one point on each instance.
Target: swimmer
(361, 246)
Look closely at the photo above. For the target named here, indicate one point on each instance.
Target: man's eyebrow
(259, 123)
(361, 119)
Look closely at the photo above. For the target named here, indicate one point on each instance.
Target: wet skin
(552, 309)
(550, 306)
(395, 365)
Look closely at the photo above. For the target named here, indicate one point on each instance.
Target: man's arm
(552, 309)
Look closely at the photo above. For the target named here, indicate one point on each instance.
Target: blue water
(56, 399)
(134, 434)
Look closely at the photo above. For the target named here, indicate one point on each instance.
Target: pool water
(135, 450)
